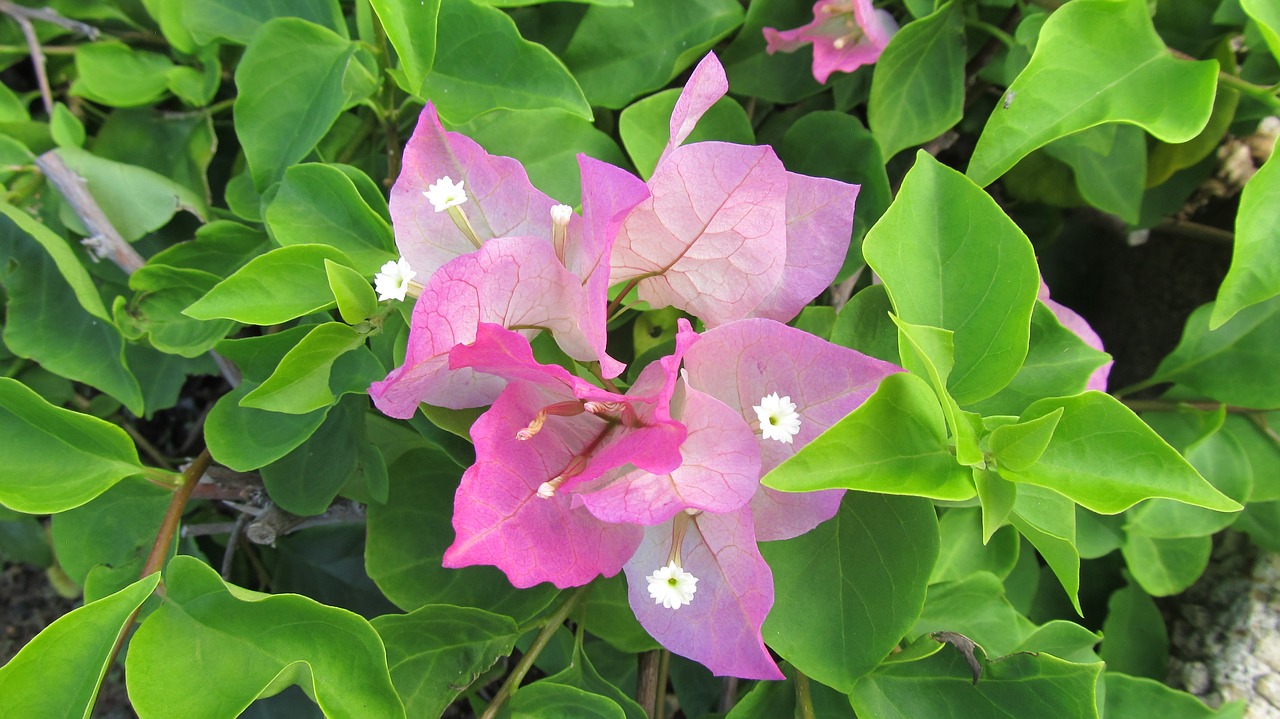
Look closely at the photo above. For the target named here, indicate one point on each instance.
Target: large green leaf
(964, 266)
(1104, 458)
(409, 533)
(91, 455)
(116, 528)
(549, 700)
(977, 608)
(917, 89)
(437, 651)
(1048, 520)
(895, 443)
(1128, 696)
(411, 27)
(115, 74)
(163, 292)
(619, 54)
(846, 592)
(1108, 174)
(244, 438)
(74, 273)
(1164, 567)
(294, 79)
(300, 383)
(1267, 15)
(1134, 638)
(57, 674)
(306, 480)
(582, 674)
(238, 20)
(281, 285)
(963, 551)
(1096, 61)
(941, 685)
(1223, 363)
(483, 64)
(248, 645)
(547, 143)
(645, 127)
(135, 199)
(320, 204)
(1255, 256)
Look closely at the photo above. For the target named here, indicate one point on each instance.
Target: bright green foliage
(963, 267)
(300, 383)
(92, 454)
(57, 674)
(114, 74)
(411, 28)
(1222, 363)
(917, 90)
(116, 528)
(1108, 162)
(1048, 521)
(356, 299)
(1135, 640)
(847, 591)
(1135, 696)
(962, 550)
(245, 438)
(238, 20)
(321, 204)
(1018, 446)
(258, 293)
(333, 654)
(1267, 15)
(546, 700)
(135, 199)
(1166, 566)
(306, 480)
(1097, 61)
(1255, 261)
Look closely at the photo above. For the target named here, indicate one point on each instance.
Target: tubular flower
(671, 586)
(845, 34)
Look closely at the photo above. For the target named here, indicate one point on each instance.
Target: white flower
(561, 214)
(671, 586)
(392, 281)
(444, 194)
(778, 417)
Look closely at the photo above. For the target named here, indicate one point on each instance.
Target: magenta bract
(845, 34)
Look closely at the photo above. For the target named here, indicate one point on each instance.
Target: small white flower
(444, 194)
(778, 418)
(392, 281)
(561, 214)
(671, 586)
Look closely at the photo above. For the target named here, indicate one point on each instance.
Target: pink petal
(712, 238)
(501, 200)
(787, 40)
(513, 282)
(783, 515)
(720, 472)
(819, 227)
(741, 362)
(706, 85)
(608, 194)
(720, 628)
(1080, 328)
(500, 520)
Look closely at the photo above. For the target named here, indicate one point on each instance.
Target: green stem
(626, 290)
(387, 114)
(1005, 38)
(1135, 387)
(1265, 95)
(804, 698)
(660, 698)
(512, 683)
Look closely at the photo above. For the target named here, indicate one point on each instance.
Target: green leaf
(306, 480)
(66, 128)
(941, 685)
(1164, 567)
(1058, 363)
(645, 127)
(836, 145)
(547, 143)
(1267, 15)
(163, 292)
(1137, 696)
(865, 324)
(964, 550)
(1048, 520)
(409, 533)
(609, 616)
(1255, 256)
(92, 455)
(977, 608)
(294, 79)
(57, 674)
(1223, 363)
(136, 200)
(437, 651)
(582, 674)
(281, 285)
(249, 645)
(300, 383)
(115, 74)
(411, 27)
(917, 88)
(619, 54)
(894, 443)
(178, 146)
(1135, 640)
(64, 257)
(320, 204)
(1106, 459)
(116, 528)
(928, 351)
(847, 591)
(1018, 446)
(356, 299)
(244, 438)
(964, 267)
(237, 20)
(1109, 174)
(1123, 73)
(547, 700)
(483, 64)
(1165, 159)
(997, 496)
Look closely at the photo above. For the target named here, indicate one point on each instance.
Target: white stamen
(444, 194)
(671, 586)
(546, 490)
(778, 418)
(392, 281)
(561, 214)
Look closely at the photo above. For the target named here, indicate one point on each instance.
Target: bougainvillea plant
(631, 358)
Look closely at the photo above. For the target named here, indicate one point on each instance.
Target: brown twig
(647, 682)
(23, 16)
(103, 240)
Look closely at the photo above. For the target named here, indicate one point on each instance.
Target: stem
(164, 538)
(647, 682)
(1005, 38)
(660, 698)
(464, 225)
(103, 240)
(1262, 93)
(804, 699)
(1135, 387)
(387, 112)
(626, 290)
(512, 683)
(728, 694)
(1164, 405)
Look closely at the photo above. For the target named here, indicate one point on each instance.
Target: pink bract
(845, 34)
(1080, 328)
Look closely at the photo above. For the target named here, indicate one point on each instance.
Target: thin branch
(512, 683)
(647, 682)
(103, 240)
(804, 698)
(664, 672)
(23, 16)
(229, 554)
(48, 15)
(728, 694)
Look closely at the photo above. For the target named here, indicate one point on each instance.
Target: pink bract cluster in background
(845, 34)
